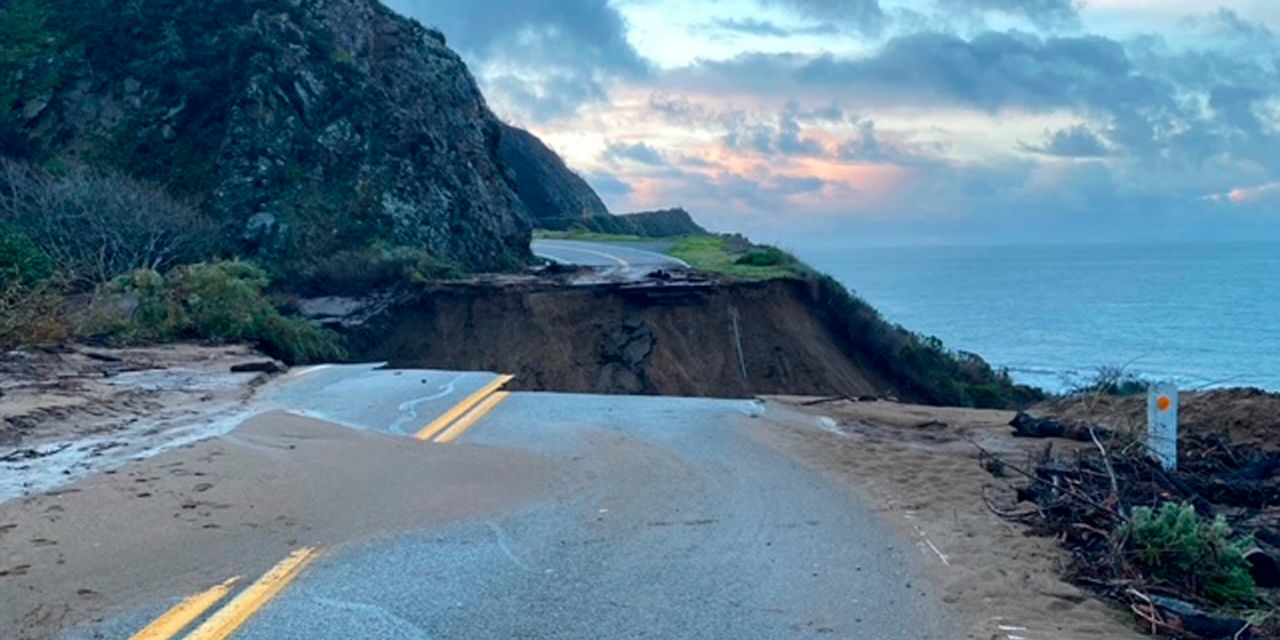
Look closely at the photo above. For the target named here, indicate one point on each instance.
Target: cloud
(989, 72)
(1046, 14)
(539, 59)
(1073, 142)
(608, 185)
(1265, 192)
(863, 16)
(929, 123)
(1225, 23)
(1165, 107)
(868, 144)
(769, 28)
(633, 152)
(782, 137)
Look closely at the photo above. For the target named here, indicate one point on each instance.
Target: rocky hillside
(303, 128)
(548, 188)
(560, 200)
(662, 223)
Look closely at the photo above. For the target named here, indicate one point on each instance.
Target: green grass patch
(734, 256)
(587, 236)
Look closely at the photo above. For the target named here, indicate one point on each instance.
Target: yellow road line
(237, 612)
(472, 417)
(459, 409)
(184, 613)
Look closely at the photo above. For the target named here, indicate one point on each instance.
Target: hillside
(303, 129)
(662, 223)
(542, 180)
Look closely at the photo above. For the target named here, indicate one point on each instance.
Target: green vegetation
(922, 365)
(1111, 381)
(22, 263)
(25, 26)
(372, 268)
(734, 256)
(220, 301)
(587, 236)
(1176, 546)
(31, 306)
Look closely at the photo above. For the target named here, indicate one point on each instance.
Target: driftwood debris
(1086, 498)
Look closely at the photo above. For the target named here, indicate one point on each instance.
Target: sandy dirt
(1247, 416)
(192, 517)
(915, 465)
(68, 410)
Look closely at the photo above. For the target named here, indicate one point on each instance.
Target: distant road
(602, 254)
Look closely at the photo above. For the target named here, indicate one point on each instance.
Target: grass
(732, 256)
(587, 236)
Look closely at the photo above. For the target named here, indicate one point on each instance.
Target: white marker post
(1162, 423)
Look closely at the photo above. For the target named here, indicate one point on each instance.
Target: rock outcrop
(305, 128)
(548, 188)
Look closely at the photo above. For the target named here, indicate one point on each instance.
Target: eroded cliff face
(732, 339)
(304, 127)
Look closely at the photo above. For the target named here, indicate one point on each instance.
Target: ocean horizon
(1202, 315)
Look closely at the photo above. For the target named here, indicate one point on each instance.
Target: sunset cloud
(996, 119)
(1249, 195)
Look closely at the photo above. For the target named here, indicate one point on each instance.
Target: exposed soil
(728, 339)
(917, 464)
(1248, 417)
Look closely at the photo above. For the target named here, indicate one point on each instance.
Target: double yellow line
(227, 620)
(454, 422)
(230, 618)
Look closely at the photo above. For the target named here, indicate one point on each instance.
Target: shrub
(922, 365)
(763, 257)
(95, 225)
(1112, 381)
(1176, 546)
(22, 263)
(221, 301)
(31, 314)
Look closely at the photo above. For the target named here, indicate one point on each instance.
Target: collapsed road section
(660, 335)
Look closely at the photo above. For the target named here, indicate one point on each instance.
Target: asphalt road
(669, 518)
(602, 255)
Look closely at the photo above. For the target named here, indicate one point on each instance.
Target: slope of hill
(543, 181)
(661, 223)
(303, 128)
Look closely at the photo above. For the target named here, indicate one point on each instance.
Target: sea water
(1204, 315)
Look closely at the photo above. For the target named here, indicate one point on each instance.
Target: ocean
(1205, 315)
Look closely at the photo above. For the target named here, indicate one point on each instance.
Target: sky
(831, 123)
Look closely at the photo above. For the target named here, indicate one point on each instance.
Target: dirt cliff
(728, 339)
